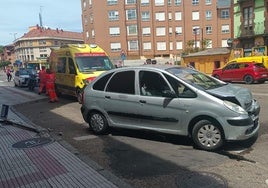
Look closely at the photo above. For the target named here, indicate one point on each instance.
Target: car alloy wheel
(248, 79)
(207, 135)
(98, 123)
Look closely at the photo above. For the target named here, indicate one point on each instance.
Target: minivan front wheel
(98, 123)
(207, 135)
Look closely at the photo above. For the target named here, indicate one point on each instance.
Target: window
(225, 14)
(111, 2)
(171, 46)
(177, 15)
(152, 84)
(208, 29)
(115, 47)
(169, 16)
(177, 2)
(113, 15)
(100, 84)
(133, 45)
(170, 30)
(159, 2)
(208, 15)
(61, 65)
(179, 45)
(131, 14)
(208, 2)
(225, 29)
(195, 15)
(180, 89)
(126, 80)
(128, 2)
(146, 31)
(160, 31)
(144, 2)
(160, 16)
(196, 30)
(145, 16)
(209, 43)
(71, 66)
(195, 2)
(224, 43)
(132, 30)
(178, 30)
(248, 18)
(169, 2)
(147, 45)
(114, 31)
(42, 42)
(161, 46)
(42, 49)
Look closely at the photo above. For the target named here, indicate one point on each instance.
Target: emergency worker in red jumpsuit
(42, 77)
(50, 86)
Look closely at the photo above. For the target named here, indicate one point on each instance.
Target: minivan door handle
(142, 101)
(107, 97)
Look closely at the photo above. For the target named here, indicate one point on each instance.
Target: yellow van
(257, 59)
(76, 65)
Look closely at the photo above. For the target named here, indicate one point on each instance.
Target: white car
(21, 77)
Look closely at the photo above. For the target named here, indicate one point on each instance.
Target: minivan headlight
(234, 107)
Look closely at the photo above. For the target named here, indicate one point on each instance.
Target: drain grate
(33, 142)
(201, 180)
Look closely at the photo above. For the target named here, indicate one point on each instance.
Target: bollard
(4, 111)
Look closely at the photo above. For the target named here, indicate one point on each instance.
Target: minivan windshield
(196, 78)
(94, 63)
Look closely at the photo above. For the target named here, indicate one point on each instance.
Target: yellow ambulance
(257, 59)
(76, 65)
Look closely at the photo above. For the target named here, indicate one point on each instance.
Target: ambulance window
(61, 66)
(71, 66)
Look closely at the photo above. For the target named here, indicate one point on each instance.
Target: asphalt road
(151, 159)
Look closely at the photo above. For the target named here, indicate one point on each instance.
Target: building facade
(250, 25)
(156, 28)
(8, 54)
(37, 43)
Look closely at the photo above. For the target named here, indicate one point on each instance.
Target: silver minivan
(174, 100)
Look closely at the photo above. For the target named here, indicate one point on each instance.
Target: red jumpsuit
(42, 84)
(50, 87)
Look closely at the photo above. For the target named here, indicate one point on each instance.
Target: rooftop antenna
(40, 17)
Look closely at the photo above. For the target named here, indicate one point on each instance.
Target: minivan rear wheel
(98, 123)
(207, 135)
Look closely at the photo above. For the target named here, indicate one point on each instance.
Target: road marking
(87, 137)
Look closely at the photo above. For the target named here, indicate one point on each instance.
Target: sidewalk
(31, 158)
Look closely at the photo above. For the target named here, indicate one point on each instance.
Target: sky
(16, 16)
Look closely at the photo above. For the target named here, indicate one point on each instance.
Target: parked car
(248, 72)
(22, 77)
(174, 100)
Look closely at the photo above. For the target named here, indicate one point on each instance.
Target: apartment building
(156, 28)
(37, 43)
(8, 53)
(251, 25)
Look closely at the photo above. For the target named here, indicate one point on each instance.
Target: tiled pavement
(48, 165)
(54, 164)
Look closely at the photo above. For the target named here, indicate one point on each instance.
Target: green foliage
(5, 63)
(1, 49)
